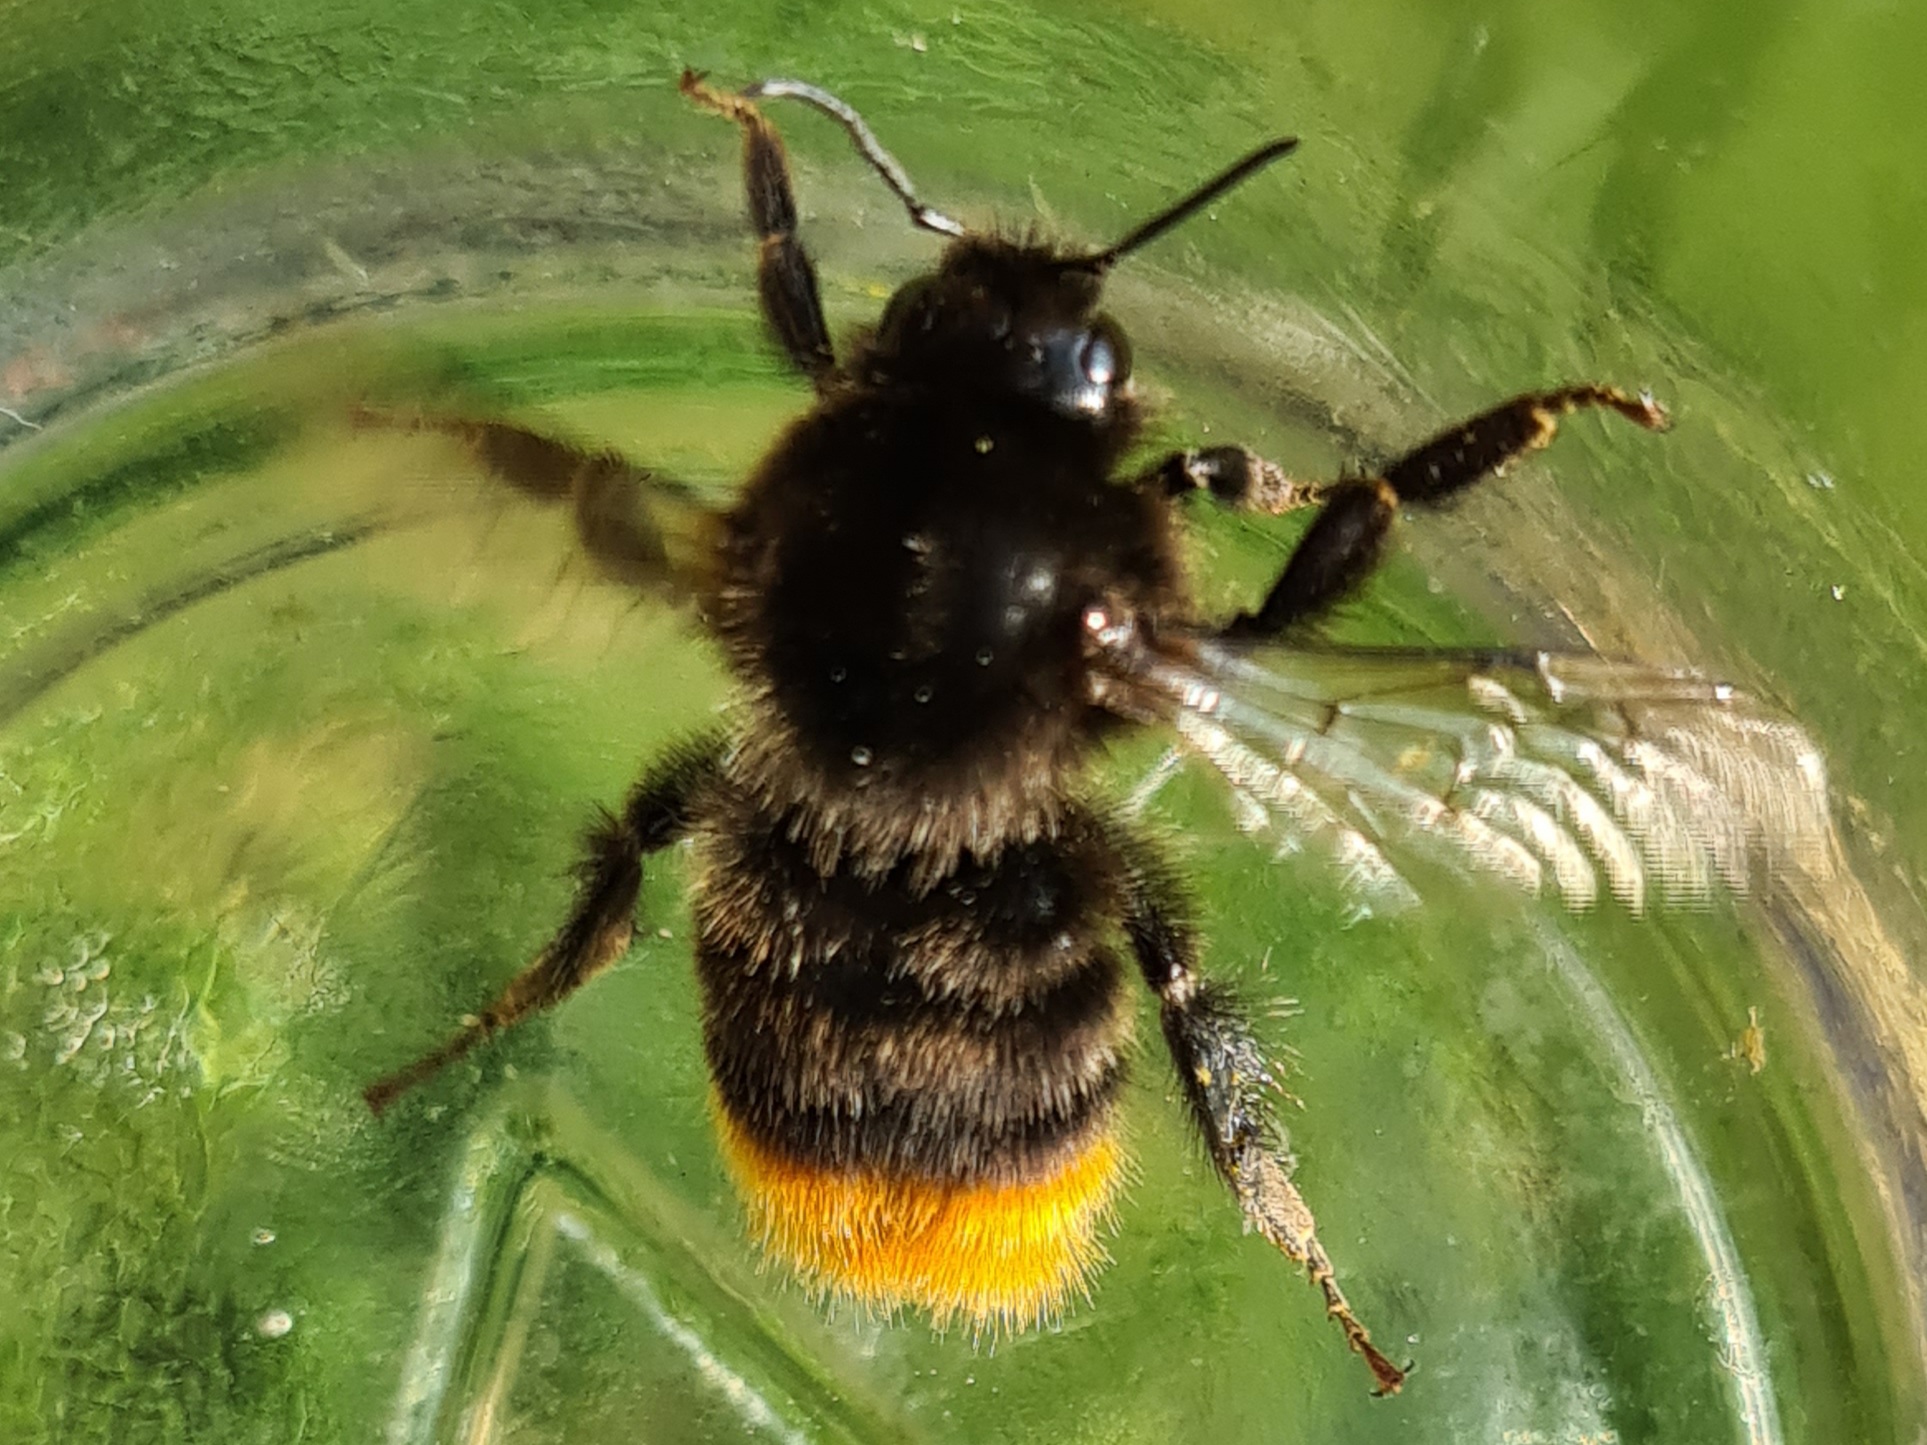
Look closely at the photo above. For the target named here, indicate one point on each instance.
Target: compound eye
(1106, 357)
(1077, 372)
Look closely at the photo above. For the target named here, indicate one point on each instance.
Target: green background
(298, 723)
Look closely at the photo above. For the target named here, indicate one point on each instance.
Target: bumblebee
(940, 592)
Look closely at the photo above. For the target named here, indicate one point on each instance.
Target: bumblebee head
(1007, 316)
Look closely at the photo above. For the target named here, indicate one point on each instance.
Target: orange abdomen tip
(989, 1256)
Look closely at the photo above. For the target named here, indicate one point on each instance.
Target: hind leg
(1231, 1087)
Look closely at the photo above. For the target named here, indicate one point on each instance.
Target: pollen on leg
(989, 1256)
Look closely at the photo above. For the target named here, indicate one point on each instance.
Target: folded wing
(1559, 773)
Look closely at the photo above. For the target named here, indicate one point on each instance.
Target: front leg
(601, 923)
(1347, 541)
(786, 280)
(1230, 1085)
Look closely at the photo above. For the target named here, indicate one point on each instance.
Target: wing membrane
(1560, 773)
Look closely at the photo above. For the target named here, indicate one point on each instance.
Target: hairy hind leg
(1231, 1085)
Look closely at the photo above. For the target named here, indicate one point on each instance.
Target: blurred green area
(266, 828)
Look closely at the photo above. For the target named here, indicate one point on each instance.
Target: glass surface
(300, 718)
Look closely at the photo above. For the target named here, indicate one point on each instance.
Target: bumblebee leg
(601, 922)
(629, 521)
(1235, 478)
(1230, 1085)
(1345, 543)
(786, 280)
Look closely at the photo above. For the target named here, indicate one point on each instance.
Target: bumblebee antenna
(1182, 210)
(865, 141)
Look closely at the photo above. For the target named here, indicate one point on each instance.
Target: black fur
(908, 923)
(965, 1028)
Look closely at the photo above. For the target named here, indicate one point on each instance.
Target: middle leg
(649, 532)
(658, 812)
(1234, 476)
(1343, 546)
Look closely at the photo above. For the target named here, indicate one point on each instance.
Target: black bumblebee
(939, 592)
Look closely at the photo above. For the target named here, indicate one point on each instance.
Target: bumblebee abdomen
(916, 1081)
(987, 1255)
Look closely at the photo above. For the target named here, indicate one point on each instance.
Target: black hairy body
(906, 921)
(966, 1027)
(940, 590)
(903, 591)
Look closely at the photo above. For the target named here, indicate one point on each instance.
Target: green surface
(298, 724)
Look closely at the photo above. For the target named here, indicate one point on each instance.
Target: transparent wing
(1560, 773)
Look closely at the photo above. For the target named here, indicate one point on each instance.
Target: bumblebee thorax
(903, 590)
